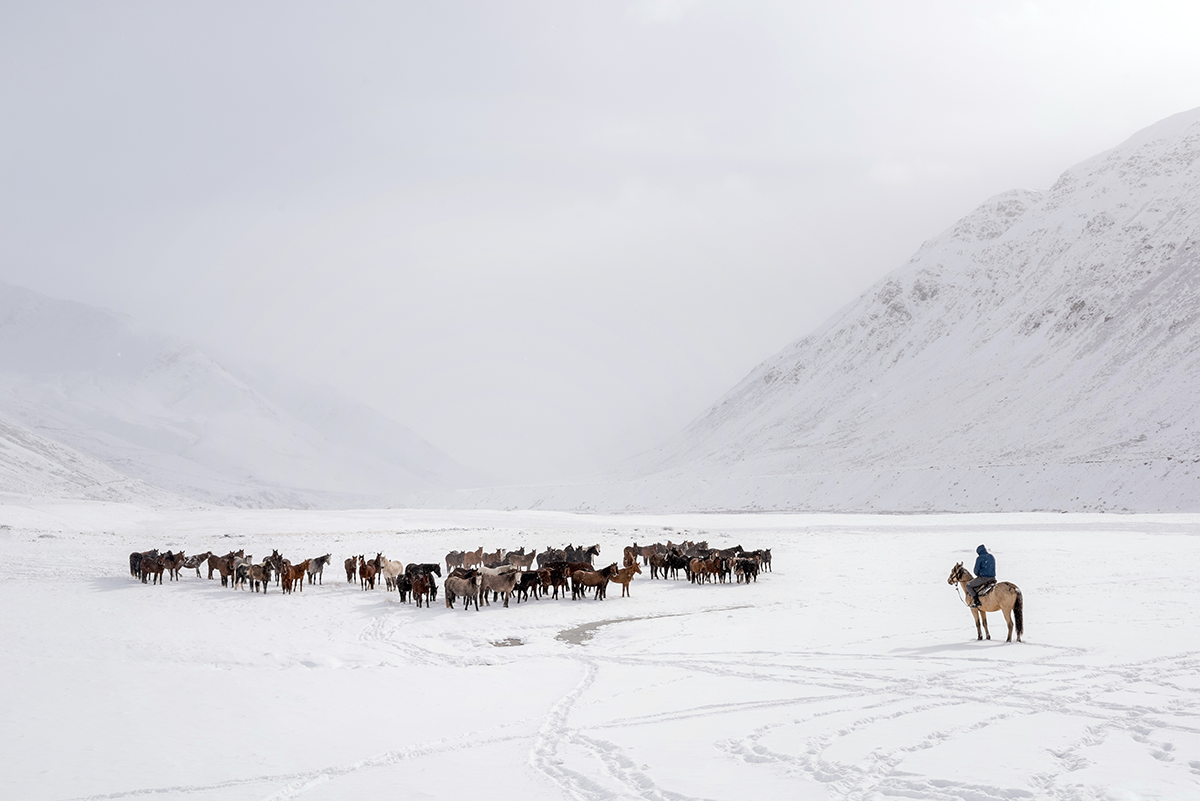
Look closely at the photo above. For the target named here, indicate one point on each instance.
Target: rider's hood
(981, 550)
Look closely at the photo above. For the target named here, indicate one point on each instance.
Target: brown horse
(518, 560)
(223, 565)
(473, 558)
(582, 579)
(367, 568)
(624, 576)
(260, 574)
(351, 569)
(172, 562)
(1005, 597)
(152, 569)
(420, 588)
(294, 574)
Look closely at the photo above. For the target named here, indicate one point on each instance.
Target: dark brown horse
(152, 568)
(420, 588)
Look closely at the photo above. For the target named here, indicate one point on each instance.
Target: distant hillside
(164, 414)
(1042, 353)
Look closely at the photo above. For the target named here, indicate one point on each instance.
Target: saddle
(986, 588)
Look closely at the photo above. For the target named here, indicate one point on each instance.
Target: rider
(985, 572)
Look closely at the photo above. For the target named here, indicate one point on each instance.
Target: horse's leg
(978, 630)
(1008, 620)
(983, 615)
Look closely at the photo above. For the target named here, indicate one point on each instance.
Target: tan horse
(624, 576)
(1005, 597)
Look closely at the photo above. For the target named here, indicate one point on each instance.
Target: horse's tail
(1019, 614)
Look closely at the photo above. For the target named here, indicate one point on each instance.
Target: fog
(546, 235)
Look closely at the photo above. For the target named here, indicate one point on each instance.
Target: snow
(172, 424)
(1041, 354)
(850, 672)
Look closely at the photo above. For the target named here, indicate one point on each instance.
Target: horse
(581, 554)
(630, 554)
(467, 588)
(556, 577)
(1004, 597)
(501, 583)
(746, 569)
(351, 569)
(493, 557)
(420, 588)
(429, 570)
(316, 568)
(367, 568)
(391, 570)
(238, 568)
(453, 559)
(260, 574)
(151, 567)
(701, 570)
(521, 560)
(764, 557)
(530, 581)
(473, 558)
(625, 575)
(675, 561)
(223, 565)
(294, 574)
(582, 579)
(135, 561)
(194, 562)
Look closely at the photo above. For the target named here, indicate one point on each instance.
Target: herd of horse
(476, 575)
(471, 576)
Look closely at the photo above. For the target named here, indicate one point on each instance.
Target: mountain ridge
(1041, 353)
(163, 413)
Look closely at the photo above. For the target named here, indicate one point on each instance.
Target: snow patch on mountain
(1041, 353)
(162, 412)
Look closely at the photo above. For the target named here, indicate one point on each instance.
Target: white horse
(391, 571)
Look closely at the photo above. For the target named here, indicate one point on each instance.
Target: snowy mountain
(162, 415)
(1042, 353)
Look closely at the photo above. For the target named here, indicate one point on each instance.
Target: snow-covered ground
(851, 671)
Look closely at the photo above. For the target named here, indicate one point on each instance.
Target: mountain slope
(161, 411)
(1042, 353)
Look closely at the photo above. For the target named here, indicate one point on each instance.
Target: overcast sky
(544, 235)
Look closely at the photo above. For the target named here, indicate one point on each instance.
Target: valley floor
(850, 672)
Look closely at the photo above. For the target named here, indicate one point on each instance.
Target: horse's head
(637, 568)
(956, 574)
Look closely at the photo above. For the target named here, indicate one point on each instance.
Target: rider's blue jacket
(985, 564)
